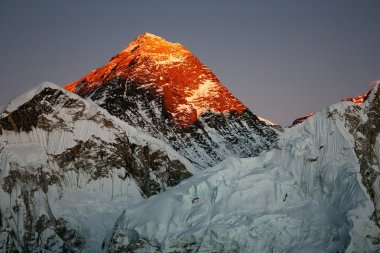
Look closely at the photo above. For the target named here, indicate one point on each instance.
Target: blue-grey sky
(283, 59)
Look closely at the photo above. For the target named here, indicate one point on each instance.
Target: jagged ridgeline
(54, 143)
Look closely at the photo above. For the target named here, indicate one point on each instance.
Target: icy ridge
(64, 162)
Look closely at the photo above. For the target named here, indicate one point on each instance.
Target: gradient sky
(283, 59)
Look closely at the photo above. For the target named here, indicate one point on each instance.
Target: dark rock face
(212, 138)
(365, 133)
(301, 119)
(98, 158)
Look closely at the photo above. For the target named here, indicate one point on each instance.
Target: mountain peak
(148, 37)
(188, 88)
(157, 49)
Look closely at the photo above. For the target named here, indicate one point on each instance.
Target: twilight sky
(283, 59)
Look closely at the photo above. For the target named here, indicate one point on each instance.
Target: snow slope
(68, 168)
(308, 194)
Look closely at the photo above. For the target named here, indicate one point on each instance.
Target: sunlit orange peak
(359, 99)
(187, 86)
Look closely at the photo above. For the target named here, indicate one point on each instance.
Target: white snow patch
(206, 89)
(268, 122)
(28, 155)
